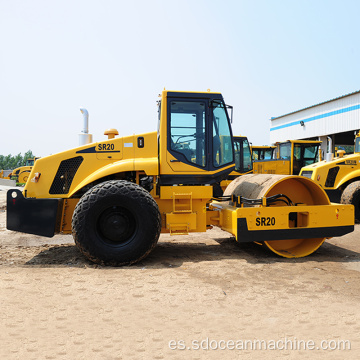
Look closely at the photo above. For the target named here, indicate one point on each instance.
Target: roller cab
(291, 156)
(196, 143)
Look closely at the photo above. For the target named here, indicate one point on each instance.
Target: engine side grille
(307, 173)
(65, 175)
(331, 177)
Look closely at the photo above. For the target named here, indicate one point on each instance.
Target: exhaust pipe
(86, 120)
(329, 156)
(85, 137)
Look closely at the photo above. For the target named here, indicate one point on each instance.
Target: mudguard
(32, 216)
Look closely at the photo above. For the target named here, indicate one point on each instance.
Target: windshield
(304, 154)
(285, 151)
(187, 129)
(311, 153)
(357, 144)
(223, 152)
(262, 153)
(247, 163)
(268, 154)
(29, 162)
(243, 162)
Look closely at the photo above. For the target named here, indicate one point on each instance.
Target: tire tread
(127, 189)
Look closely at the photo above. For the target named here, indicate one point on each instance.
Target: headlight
(307, 173)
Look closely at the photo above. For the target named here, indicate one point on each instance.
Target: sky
(114, 57)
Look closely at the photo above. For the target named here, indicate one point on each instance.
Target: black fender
(33, 216)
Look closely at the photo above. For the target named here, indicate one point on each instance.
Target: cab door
(187, 135)
(199, 144)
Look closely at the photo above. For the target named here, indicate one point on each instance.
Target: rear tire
(351, 195)
(116, 223)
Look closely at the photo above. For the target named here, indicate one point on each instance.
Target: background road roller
(5, 174)
(116, 196)
(289, 157)
(243, 164)
(263, 152)
(21, 174)
(339, 176)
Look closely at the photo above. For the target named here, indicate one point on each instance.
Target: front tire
(351, 195)
(116, 223)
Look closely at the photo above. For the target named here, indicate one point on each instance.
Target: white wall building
(338, 118)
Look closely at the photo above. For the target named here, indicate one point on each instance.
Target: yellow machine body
(339, 177)
(313, 209)
(106, 193)
(115, 158)
(334, 174)
(22, 173)
(291, 156)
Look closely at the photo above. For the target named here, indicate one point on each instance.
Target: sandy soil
(191, 291)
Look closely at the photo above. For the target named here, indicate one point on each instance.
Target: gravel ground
(192, 294)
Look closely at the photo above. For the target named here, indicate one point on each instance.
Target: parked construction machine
(339, 176)
(116, 196)
(290, 157)
(5, 174)
(243, 164)
(262, 152)
(21, 174)
(242, 153)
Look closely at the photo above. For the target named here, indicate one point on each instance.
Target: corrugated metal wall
(336, 116)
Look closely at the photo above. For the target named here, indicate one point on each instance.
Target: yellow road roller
(243, 163)
(262, 152)
(21, 174)
(289, 157)
(5, 174)
(117, 195)
(339, 176)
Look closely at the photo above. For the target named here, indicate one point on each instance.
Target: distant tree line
(10, 162)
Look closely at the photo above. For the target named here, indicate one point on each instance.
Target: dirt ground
(195, 297)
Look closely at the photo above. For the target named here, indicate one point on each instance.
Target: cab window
(187, 131)
(357, 144)
(247, 156)
(243, 161)
(223, 152)
(285, 151)
(268, 154)
(255, 154)
(311, 154)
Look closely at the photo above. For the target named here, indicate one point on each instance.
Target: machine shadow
(173, 255)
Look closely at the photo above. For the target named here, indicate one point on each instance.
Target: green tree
(10, 162)
(28, 155)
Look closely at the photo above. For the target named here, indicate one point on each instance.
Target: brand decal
(350, 162)
(100, 148)
(265, 221)
(106, 147)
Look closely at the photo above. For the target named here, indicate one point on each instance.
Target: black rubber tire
(116, 223)
(351, 195)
